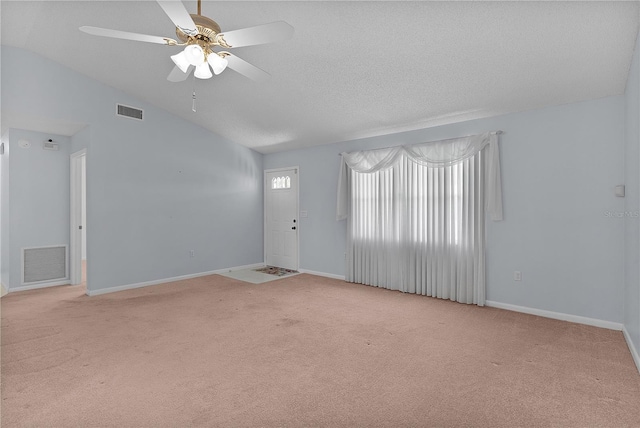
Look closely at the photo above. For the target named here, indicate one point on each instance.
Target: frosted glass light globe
(194, 55)
(180, 60)
(217, 62)
(203, 71)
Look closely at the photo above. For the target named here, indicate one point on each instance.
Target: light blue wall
(559, 169)
(155, 189)
(5, 232)
(632, 202)
(81, 140)
(39, 197)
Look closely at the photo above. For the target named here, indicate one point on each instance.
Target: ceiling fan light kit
(200, 35)
(201, 59)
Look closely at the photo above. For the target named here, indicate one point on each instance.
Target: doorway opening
(78, 239)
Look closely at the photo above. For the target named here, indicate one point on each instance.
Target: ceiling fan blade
(176, 11)
(96, 31)
(246, 69)
(267, 33)
(177, 75)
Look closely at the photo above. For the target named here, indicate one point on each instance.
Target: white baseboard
(557, 315)
(634, 351)
(165, 280)
(3, 290)
(326, 275)
(40, 285)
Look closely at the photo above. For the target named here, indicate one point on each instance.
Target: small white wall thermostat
(620, 191)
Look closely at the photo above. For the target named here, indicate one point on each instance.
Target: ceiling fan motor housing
(207, 30)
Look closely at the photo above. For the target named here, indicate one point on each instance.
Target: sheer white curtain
(415, 215)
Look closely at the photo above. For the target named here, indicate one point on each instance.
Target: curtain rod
(498, 132)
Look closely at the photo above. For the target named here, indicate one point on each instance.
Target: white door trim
(264, 211)
(75, 179)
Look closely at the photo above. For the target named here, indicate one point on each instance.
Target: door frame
(75, 241)
(265, 189)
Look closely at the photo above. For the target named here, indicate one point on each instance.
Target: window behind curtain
(417, 229)
(412, 202)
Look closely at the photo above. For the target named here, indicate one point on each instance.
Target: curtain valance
(433, 154)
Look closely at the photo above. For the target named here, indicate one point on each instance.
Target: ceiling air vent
(130, 112)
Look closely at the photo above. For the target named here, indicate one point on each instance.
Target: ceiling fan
(202, 38)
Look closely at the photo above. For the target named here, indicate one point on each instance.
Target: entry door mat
(277, 271)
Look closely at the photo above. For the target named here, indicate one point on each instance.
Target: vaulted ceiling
(352, 69)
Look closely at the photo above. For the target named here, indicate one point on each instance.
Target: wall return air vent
(43, 264)
(130, 112)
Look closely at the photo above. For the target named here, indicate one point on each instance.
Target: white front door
(281, 218)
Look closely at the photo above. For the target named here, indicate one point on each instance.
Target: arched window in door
(281, 182)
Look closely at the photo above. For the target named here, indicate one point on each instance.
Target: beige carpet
(302, 351)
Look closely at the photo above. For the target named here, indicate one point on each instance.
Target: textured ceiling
(352, 69)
